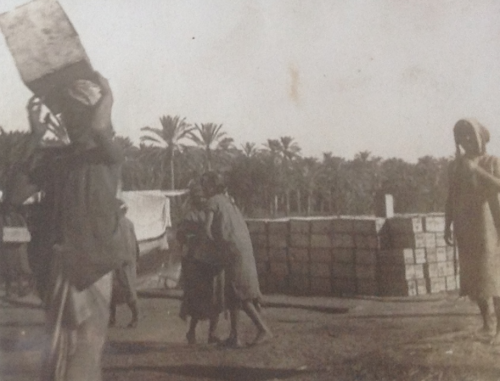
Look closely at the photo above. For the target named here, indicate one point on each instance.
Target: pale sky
(388, 76)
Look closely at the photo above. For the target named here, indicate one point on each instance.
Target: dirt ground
(432, 338)
(315, 339)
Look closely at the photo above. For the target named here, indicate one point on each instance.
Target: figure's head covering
(464, 126)
(195, 189)
(213, 181)
(84, 91)
(82, 96)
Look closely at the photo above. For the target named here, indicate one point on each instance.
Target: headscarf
(480, 132)
(85, 92)
(195, 189)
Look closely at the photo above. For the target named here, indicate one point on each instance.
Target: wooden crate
(277, 255)
(320, 255)
(405, 225)
(344, 286)
(363, 241)
(368, 225)
(278, 226)
(365, 256)
(276, 240)
(261, 254)
(396, 256)
(299, 240)
(275, 283)
(259, 239)
(405, 240)
(342, 255)
(367, 287)
(439, 269)
(321, 286)
(436, 285)
(300, 225)
(299, 284)
(420, 256)
(451, 283)
(263, 267)
(298, 254)
(434, 223)
(343, 270)
(321, 241)
(400, 272)
(429, 240)
(343, 240)
(440, 242)
(366, 271)
(342, 225)
(278, 269)
(257, 226)
(320, 270)
(437, 254)
(421, 286)
(301, 268)
(322, 226)
(400, 287)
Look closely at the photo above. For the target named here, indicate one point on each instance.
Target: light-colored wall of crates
(405, 255)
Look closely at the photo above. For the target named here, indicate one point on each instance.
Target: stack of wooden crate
(418, 261)
(442, 261)
(320, 255)
(369, 239)
(402, 255)
(299, 261)
(277, 277)
(259, 236)
(401, 266)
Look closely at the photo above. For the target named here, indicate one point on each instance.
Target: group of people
(80, 236)
(218, 269)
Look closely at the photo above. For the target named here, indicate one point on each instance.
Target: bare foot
(231, 342)
(212, 339)
(496, 339)
(133, 323)
(486, 330)
(261, 338)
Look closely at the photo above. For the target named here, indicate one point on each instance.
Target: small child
(124, 278)
(227, 228)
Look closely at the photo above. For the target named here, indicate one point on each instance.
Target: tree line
(273, 179)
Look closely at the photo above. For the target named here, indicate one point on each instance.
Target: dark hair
(213, 181)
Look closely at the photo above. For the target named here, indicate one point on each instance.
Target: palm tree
(310, 169)
(210, 138)
(288, 148)
(249, 150)
(284, 150)
(169, 138)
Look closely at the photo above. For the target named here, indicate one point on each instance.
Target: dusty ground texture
(431, 338)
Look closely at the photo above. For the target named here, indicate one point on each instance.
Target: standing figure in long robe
(125, 277)
(227, 228)
(76, 242)
(473, 207)
(202, 274)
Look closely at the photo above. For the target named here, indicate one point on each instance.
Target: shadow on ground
(225, 373)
